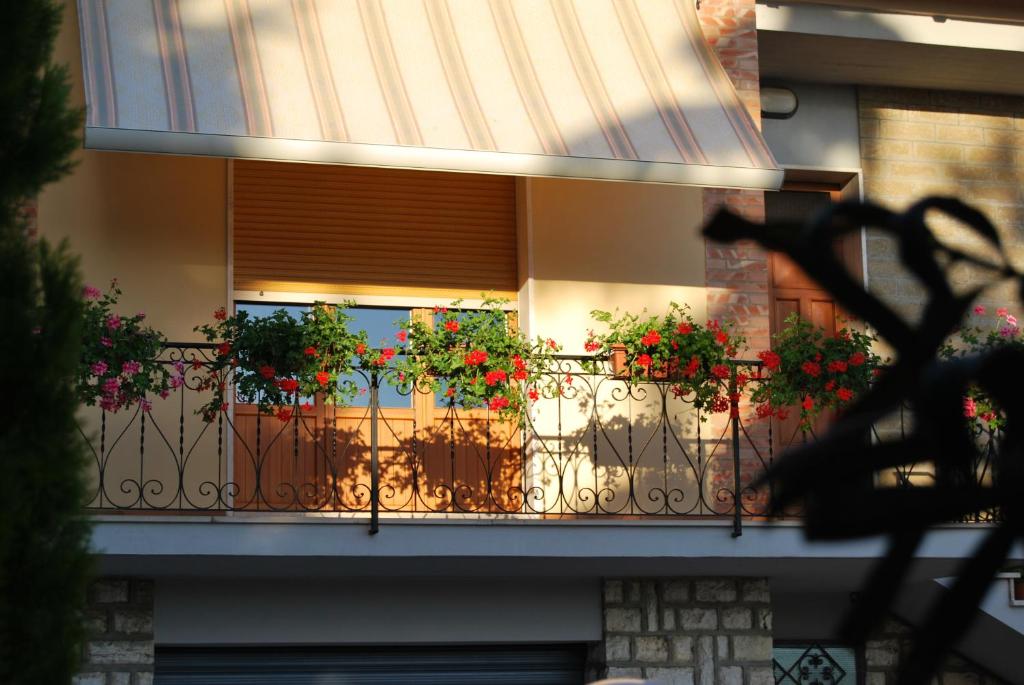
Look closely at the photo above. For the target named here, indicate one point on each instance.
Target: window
(814, 664)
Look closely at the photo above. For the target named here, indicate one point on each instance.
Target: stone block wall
(119, 643)
(885, 651)
(688, 631)
(921, 142)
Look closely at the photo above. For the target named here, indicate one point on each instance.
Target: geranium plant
(474, 357)
(274, 360)
(977, 339)
(119, 366)
(809, 369)
(674, 347)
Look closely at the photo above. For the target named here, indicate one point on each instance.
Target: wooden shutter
(352, 230)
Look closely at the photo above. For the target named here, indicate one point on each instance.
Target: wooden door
(794, 292)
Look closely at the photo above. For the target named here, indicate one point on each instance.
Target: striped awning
(609, 89)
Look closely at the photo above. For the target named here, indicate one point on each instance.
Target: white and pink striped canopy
(612, 89)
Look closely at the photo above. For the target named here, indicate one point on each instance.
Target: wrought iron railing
(595, 446)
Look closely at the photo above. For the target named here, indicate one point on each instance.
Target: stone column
(119, 624)
(683, 631)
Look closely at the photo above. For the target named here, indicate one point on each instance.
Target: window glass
(798, 664)
(379, 324)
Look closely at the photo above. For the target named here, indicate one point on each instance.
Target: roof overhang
(600, 89)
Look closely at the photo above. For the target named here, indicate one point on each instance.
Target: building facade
(562, 155)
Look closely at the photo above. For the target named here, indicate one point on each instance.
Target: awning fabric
(610, 89)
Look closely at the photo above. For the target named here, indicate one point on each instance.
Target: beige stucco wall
(604, 245)
(607, 245)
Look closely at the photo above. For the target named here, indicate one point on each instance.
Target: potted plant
(977, 339)
(672, 347)
(118, 366)
(809, 369)
(474, 357)
(274, 360)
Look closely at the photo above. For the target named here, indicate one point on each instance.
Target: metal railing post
(734, 416)
(374, 456)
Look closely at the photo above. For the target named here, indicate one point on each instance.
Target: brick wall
(737, 275)
(920, 142)
(683, 631)
(883, 653)
(119, 643)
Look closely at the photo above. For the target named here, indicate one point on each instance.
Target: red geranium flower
(451, 325)
(497, 403)
(267, 372)
(533, 394)
(288, 384)
(224, 349)
(322, 377)
(220, 314)
(591, 346)
(475, 357)
(856, 359)
(812, 369)
(493, 377)
(644, 360)
(519, 375)
(387, 353)
(720, 371)
(808, 403)
(402, 336)
(518, 362)
(360, 348)
(771, 360)
(684, 328)
(284, 414)
(310, 351)
(830, 385)
(652, 337)
(722, 337)
(844, 394)
(837, 366)
(692, 367)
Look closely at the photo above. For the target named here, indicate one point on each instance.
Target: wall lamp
(778, 102)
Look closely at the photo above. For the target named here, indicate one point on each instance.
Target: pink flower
(91, 293)
(106, 342)
(970, 408)
(98, 368)
(1002, 311)
(164, 394)
(979, 310)
(111, 386)
(1008, 331)
(131, 368)
(108, 403)
(177, 381)
(140, 315)
(179, 366)
(146, 405)
(1011, 319)
(113, 322)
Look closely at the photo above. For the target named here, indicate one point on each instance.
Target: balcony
(598, 448)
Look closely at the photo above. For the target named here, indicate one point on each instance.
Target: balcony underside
(293, 545)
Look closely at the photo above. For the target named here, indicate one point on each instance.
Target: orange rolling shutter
(354, 230)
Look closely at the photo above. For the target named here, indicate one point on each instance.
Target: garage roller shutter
(494, 665)
(352, 230)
